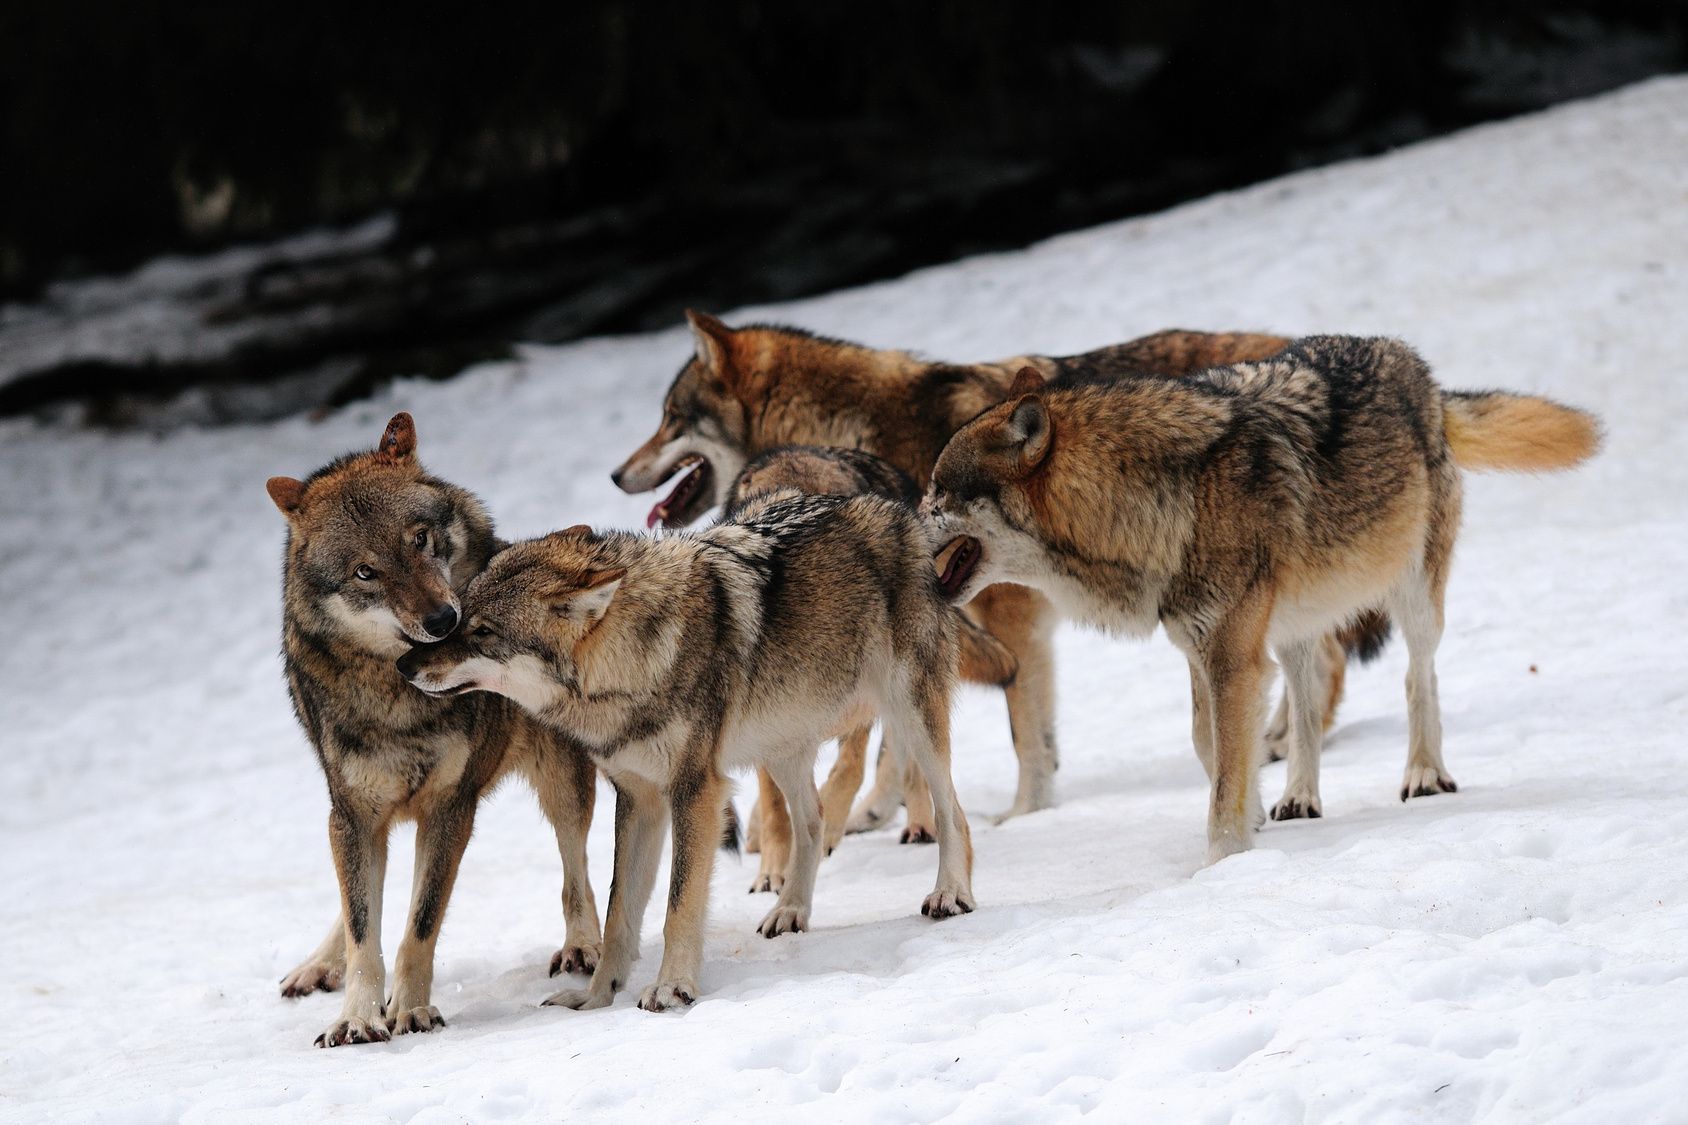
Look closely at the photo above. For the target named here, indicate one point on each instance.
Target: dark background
(597, 166)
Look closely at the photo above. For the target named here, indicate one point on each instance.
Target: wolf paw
(343, 1032)
(865, 819)
(784, 920)
(668, 997)
(313, 976)
(580, 999)
(1297, 808)
(767, 881)
(947, 904)
(581, 958)
(1274, 747)
(1426, 781)
(415, 1020)
(918, 834)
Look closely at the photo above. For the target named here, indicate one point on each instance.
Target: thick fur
(675, 660)
(1254, 505)
(378, 553)
(746, 390)
(796, 470)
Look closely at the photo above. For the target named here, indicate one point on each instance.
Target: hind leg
(1304, 681)
(842, 784)
(919, 721)
(880, 805)
(323, 970)
(795, 776)
(1417, 608)
(917, 800)
(1332, 675)
(776, 835)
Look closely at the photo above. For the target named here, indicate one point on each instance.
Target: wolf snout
(410, 664)
(441, 622)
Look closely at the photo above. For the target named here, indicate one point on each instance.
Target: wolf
(676, 659)
(1253, 506)
(378, 554)
(746, 390)
(794, 470)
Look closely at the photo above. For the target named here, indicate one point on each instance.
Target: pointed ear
(1029, 428)
(591, 601)
(398, 442)
(287, 493)
(1028, 380)
(714, 342)
(578, 531)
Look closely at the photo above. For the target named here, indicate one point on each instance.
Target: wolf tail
(984, 659)
(1517, 433)
(730, 835)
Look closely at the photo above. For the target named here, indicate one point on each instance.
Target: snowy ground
(1515, 952)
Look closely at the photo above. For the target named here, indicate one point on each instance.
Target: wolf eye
(365, 572)
(482, 630)
(420, 540)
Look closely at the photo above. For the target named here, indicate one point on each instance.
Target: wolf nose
(616, 475)
(442, 621)
(411, 662)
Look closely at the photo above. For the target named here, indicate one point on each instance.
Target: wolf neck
(889, 403)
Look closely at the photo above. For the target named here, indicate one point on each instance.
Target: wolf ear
(1028, 380)
(1029, 428)
(287, 493)
(398, 442)
(714, 342)
(591, 601)
(578, 531)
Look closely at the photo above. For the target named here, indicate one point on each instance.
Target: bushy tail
(1519, 433)
(984, 659)
(730, 829)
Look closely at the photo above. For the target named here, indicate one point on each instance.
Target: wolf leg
(1025, 621)
(696, 797)
(442, 835)
(1306, 666)
(640, 813)
(1234, 662)
(880, 805)
(917, 800)
(795, 776)
(323, 970)
(1417, 607)
(567, 786)
(843, 783)
(776, 835)
(919, 721)
(359, 843)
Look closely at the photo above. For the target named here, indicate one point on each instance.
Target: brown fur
(377, 552)
(747, 390)
(831, 471)
(1254, 505)
(674, 660)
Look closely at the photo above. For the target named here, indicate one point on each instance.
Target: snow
(1514, 952)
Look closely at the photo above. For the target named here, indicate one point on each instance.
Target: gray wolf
(378, 554)
(749, 389)
(674, 660)
(831, 471)
(1250, 507)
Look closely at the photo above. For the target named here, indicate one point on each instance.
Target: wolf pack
(889, 526)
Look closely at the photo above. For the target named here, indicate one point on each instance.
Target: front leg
(1304, 683)
(919, 722)
(842, 784)
(323, 970)
(795, 775)
(359, 843)
(442, 834)
(696, 798)
(1234, 662)
(640, 813)
(566, 782)
(1024, 621)
(880, 804)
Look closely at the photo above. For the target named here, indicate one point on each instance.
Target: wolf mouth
(680, 506)
(955, 563)
(446, 692)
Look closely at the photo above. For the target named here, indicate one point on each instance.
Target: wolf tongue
(657, 515)
(682, 489)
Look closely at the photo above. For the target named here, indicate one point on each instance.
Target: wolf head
(526, 618)
(980, 509)
(705, 430)
(377, 549)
